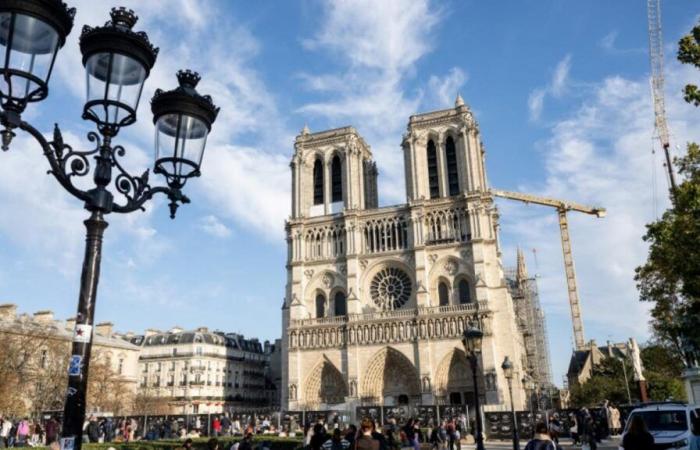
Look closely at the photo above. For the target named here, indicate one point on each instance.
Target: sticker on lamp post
(68, 443)
(82, 333)
(75, 366)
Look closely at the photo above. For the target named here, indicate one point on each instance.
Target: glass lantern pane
(115, 82)
(32, 45)
(182, 138)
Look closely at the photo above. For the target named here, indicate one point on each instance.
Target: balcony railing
(396, 314)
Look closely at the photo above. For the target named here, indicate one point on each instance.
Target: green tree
(607, 382)
(670, 278)
(662, 370)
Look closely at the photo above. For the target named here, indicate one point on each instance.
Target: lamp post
(529, 385)
(471, 339)
(117, 61)
(507, 367)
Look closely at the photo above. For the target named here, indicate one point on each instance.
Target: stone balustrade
(387, 327)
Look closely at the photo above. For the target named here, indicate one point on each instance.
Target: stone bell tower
(332, 171)
(443, 154)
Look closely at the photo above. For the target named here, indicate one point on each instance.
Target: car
(668, 422)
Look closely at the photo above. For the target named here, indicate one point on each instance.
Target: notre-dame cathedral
(377, 298)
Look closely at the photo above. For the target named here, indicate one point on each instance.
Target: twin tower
(333, 170)
(377, 298)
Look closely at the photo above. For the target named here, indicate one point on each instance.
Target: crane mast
(656, 57)
(562, 207)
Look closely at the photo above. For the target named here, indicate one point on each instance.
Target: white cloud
(251, 186)
(535, 103)
(445, 89)
(600, 154)
(608, 41)
(212, 225)
(556, 87)
(379, 56)
(560, 77)
(609, 44)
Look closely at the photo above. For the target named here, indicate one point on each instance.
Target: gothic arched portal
(390, 373)
(325, 384)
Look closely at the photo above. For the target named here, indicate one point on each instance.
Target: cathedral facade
(377, 298)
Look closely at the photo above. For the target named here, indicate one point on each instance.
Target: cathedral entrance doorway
(391, 378)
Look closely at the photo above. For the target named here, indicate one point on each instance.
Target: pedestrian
(22, 432)
(435, 438)
(213, 444)
(336, 442)
(246, 442)
(574, 429)
(637, 436)
(694, 441)
(319, 437)
(542, 440)
(589, 439)
(365, 441)
(187, 445)
(216, 427)
(5, 426)
(554, 428)
(351, 435)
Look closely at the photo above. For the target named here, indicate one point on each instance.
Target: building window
(465, 295)
(336, 180)
(120, 367)
(318, 182)
(199, 350)
(320, 305)
(42, 361)
(174, 352)
(452, 172)
(443, 294)
(433, 181)
(340, 304)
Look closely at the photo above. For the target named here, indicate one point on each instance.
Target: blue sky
(560, 89)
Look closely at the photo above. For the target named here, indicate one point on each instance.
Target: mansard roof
(230, 340)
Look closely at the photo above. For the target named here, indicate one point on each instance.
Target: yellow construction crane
(562, 207)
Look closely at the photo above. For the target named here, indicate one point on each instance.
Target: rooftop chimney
(104, 329)
(8, 311)
(176, 329)
(151, 332)
(44, 317)
(70, 324)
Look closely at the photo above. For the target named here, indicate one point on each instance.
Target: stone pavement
(608, 444)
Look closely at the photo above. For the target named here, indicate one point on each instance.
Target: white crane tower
(656, 56)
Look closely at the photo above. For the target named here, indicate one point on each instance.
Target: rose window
(390, 288)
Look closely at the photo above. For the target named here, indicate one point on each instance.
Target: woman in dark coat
(637, 437)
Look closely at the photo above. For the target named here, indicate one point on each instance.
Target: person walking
(637, 436)
(336, 442)
(5, 427)
(694, 441)
(435, 439)
(542, 440)
(365, 441)
(22, 432)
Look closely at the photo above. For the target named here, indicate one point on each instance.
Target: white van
(668, 422)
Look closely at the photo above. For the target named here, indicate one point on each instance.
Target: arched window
(318, 182)
(433, 181)
(336, 180)
(452, 172)
(320, 305)
(340, 304)
(443, 294)
(465, 295)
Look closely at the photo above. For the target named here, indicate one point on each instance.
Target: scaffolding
(531, 321)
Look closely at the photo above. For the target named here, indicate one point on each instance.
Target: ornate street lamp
(472, 338)
(507, 368)
(117, 62)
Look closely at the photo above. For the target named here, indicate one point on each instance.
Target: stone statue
(636, 358)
